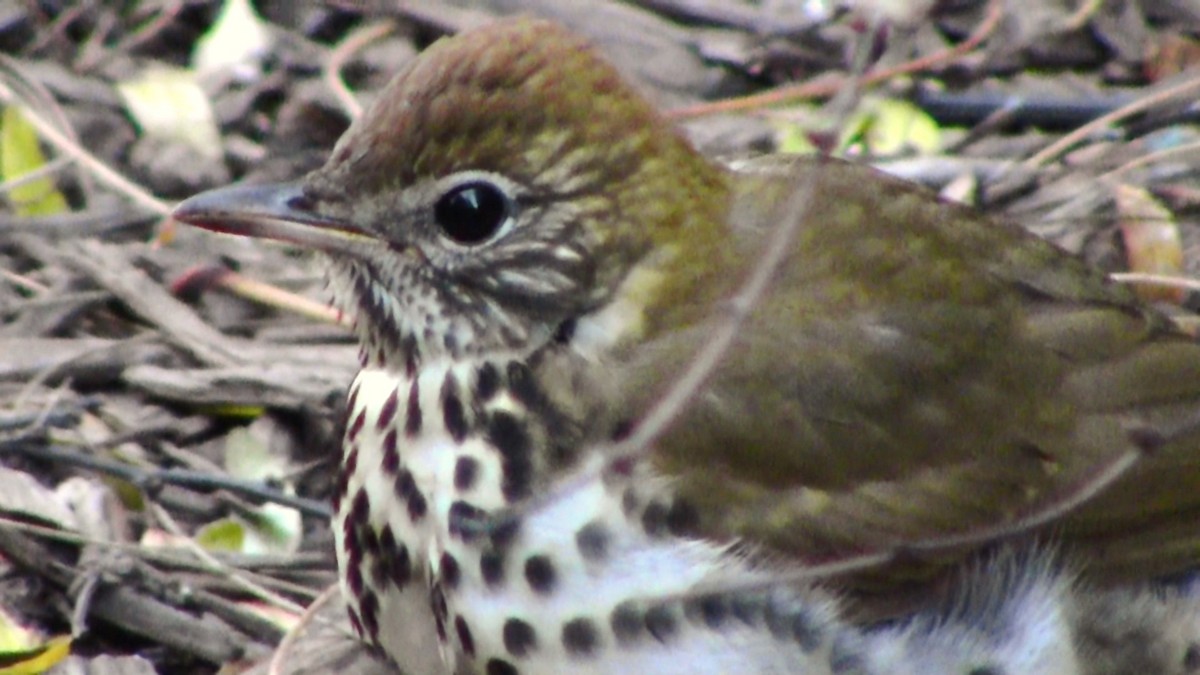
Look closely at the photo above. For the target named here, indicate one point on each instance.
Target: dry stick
(1060, 146)
(1148, 158)
(272, 296)
(69, 147)
(284, 649)
(216, 566)
(1148, 279)
(331, 73)
(151, 29)
(43, 171)
(35, 96)
(826, 86)
(24, 282)
(187, 478)
(173, 557)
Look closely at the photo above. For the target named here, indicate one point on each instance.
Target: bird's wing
(926, 375)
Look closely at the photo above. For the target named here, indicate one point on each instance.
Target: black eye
(472, 213)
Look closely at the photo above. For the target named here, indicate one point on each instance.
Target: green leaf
(226, 534)
(20, 155)
(890, 127)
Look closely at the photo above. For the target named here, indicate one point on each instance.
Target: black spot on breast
(417, 507)
(395, 555)
(401, 572)
(405, 486)
(487, 382)
(368, 608)
(380, 571)
(453, 414)
(359, 509)
(654, 519)
(593, 541)
(391, 455)
(501, 667)
(356, 426)
(370, 540)
(412, 413)
(682, 519)
(450, 573)
(712, 610)
(660, 622)
(355, 622)
(350, 461)
(621, 430)
(466, 521)
(466, 470)
(409, 348)
(580, 637)
(522, 386)
(626, 623)
(388, 412)
(504, 530)
(354, 578)
(519, 637)
(491, 568)
(511, 439)
(540, 574)
(464, 636)
(747, 608)
(565, 331)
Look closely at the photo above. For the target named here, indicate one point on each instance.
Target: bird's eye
(472, 213)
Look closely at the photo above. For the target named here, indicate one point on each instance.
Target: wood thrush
(533, 257)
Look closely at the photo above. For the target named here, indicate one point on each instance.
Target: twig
(284, 650)
(202, 277)
(828, 86)
(1151, 157)
(1185, 88)
(216, 566)
(71, 148)
(150, 477)
(332, 72)
(1148, 279)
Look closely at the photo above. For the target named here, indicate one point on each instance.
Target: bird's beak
(281, 212)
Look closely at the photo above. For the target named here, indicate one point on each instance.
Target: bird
(910, 402)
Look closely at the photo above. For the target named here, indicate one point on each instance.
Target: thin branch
(351, 45)
(69, 147)
(1188, 87)
(216, 566)
(825, 86)
(196, 480)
